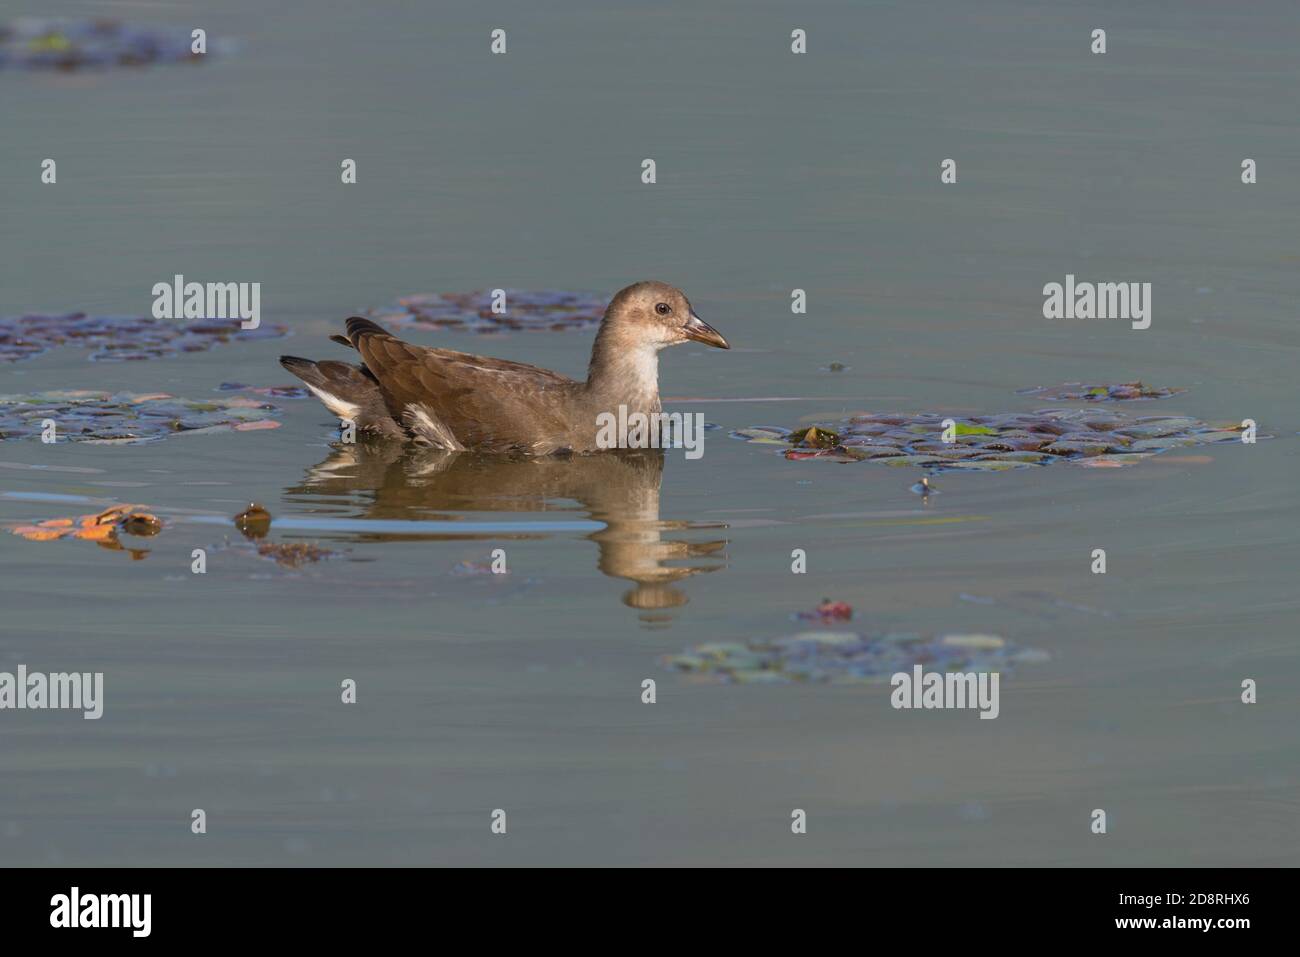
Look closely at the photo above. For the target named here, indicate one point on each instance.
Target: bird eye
(663, 308)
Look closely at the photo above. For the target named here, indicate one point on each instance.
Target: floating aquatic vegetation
(294, 554)
(254, 522)
(103, 528)
(993, 443)
(1121, 392)
(1038, 603)
(122, 338)
(81, 44)
(828, 611)
(124, 418)
(763, 435)
(847, 657)
(271, 391)
(546, 309)
(814, 438)
(471, 569)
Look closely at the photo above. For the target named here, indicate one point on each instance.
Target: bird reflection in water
(617, 488)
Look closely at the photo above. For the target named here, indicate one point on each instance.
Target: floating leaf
(81, 44)
(1121, 392)
(546, 309)
(1108, 461)
(125, 418)
(271, 391)
(102, 528)
(762, 435)
(973, 641)
(847, 657)
(994, 443)
(985, 465)
(122, 338)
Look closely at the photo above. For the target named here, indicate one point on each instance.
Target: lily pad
(546, 309)
(993, 443)
(122, 338)
(44, 44)
(840, 658)
(762, 435)
(1085, 392)
(271, 391)
(125, 418)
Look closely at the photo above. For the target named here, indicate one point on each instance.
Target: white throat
(642, 371)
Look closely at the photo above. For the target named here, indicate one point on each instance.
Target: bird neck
(624, 370)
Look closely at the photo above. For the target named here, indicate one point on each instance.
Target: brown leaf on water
(102, 528)
(254, 522)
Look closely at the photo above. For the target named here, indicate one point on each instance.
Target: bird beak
(699, 330)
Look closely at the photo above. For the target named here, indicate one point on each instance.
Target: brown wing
(486, 403)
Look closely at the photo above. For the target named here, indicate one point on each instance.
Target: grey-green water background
(775, 171)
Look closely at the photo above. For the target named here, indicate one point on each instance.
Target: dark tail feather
(339, 384)
(308, 371)
(359, 327)
(350, 383)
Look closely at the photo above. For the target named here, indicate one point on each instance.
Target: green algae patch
(1086, 392)
(481, 312)
(1087, 437)
(122, 338)
(846, 658)
(125, 418)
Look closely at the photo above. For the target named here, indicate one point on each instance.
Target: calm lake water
(775, 172)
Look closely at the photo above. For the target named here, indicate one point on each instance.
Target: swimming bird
(458, 401)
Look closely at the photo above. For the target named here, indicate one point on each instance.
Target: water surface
(776, 172)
